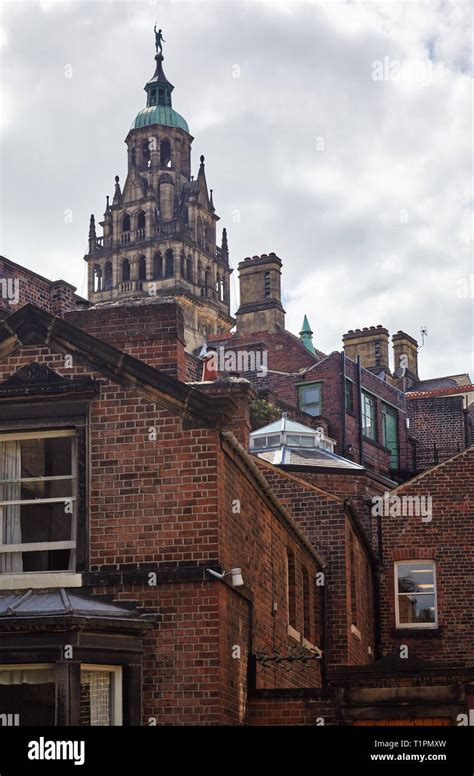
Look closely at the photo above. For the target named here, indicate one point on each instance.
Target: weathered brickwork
(56, 297)
(447, 539)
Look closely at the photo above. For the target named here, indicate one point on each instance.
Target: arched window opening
(157, 266)
(133, 157)
(108, 276)
(207, 277)
(141, 220)
(165, 153)
(125, 271)
(126, 223)
(200, 274)
(142, 268)
(161, 96)
(97, 279)
(218, 286)
(183, 265)
(146, 153)
(189, 269)
(169, 258)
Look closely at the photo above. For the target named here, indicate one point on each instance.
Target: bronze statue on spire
(159, 40)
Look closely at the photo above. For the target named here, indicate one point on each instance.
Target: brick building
(152, 570)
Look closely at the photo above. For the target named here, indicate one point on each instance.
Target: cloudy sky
(337, 134)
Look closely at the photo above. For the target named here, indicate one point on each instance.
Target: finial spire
(306, 336)
(92, 235)
(158, 88)
(118, 191)
(225, 246)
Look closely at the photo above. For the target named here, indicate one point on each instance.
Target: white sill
(311, 647)
(418, 626)
(356, 632)
(40, 580)
(294, 633)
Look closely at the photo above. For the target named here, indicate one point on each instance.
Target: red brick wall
(436, 422)
(357, 489)
(256, 540)
(324, 521)
(287, 710)
(56, 297)
(449, 540)
(167, 503)
(151, 332)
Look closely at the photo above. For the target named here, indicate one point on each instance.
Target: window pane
(416, 608)
(30, 693)
(415, 577)
(307, 441)
(293, 439)
(46, 489)
(259, 442)
(368, 416)
(46, 560)
(96, 697)
(273, 440)
(48, 457)
(311, 394)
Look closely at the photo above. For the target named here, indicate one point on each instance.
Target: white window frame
(418, 625)
(64, 577)
(117, 694)
(371, 398)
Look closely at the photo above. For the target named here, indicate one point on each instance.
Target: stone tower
(159, 232)
(260, 295)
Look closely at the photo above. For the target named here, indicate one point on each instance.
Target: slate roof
(440, 382)
(34, 603)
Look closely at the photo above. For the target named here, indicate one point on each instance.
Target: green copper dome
(160, 114)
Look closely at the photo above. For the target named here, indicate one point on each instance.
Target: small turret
(306, 336)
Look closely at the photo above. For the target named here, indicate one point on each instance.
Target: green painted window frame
(301, 387)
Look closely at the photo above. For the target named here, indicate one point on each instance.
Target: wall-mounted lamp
(235, 575)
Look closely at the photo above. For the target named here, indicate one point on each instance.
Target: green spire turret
(306, 336)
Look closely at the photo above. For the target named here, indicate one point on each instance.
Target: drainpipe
(324, 628)
(359, 393)
(343, 403)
